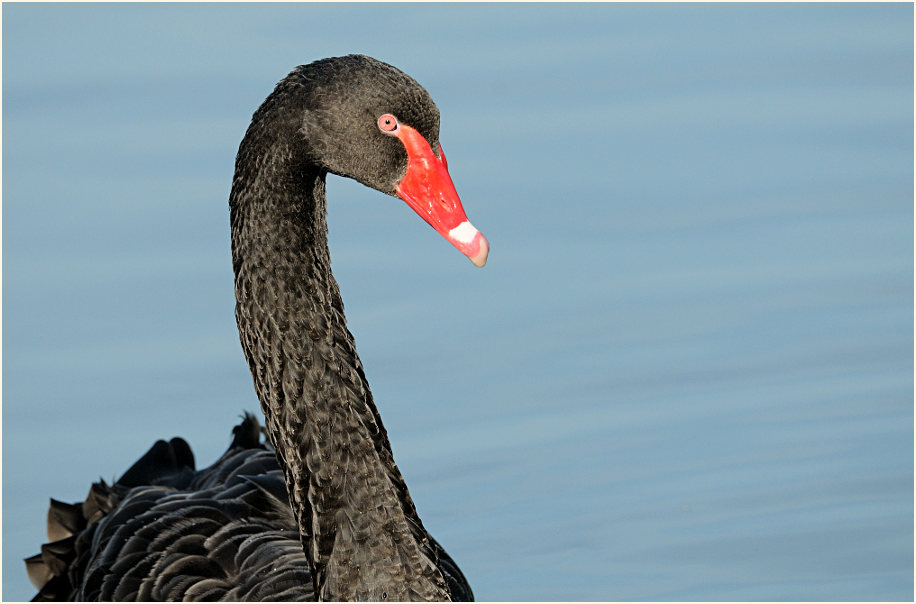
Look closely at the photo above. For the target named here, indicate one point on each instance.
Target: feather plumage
(321, 510)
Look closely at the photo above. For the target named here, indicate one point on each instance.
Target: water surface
(686, 372)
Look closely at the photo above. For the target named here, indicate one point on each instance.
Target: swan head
(364, 119)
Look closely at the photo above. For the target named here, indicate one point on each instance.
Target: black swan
(319, 511)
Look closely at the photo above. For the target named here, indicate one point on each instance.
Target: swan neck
(358, 525)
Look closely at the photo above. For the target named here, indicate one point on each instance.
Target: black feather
(321, 511)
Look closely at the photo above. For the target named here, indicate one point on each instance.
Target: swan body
(318, 511)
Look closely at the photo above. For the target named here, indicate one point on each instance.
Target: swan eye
(388, 124)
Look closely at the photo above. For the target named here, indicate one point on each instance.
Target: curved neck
(358, 525)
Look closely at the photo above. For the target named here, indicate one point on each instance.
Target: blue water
(686, 372)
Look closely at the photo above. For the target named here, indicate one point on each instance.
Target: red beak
(428, 189)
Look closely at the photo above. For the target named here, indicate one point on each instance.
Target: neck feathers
(359, 527)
